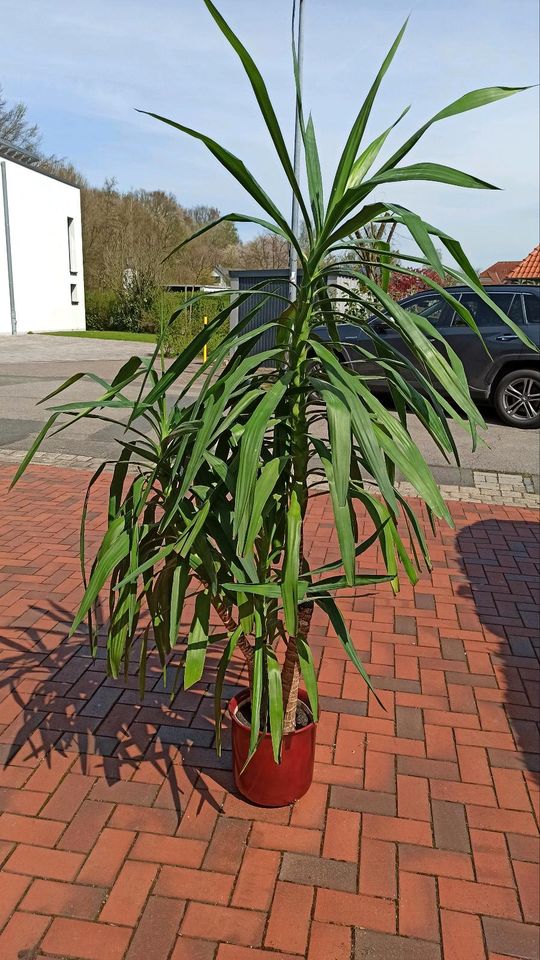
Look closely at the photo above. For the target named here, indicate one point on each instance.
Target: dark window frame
(458, 323)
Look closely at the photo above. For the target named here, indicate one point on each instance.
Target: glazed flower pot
(264, 782)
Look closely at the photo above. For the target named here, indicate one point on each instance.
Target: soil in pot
(303, 715)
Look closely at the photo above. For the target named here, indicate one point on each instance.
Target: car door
(430, 305)
(502, 344)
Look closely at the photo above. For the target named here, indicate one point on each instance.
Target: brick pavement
(121, 835)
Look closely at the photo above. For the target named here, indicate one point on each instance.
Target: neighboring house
(528, 271)
(220, 275)
(498, 272)
(514, 271)
(41, 257)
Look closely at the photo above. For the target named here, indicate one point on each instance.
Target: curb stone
(484, 487)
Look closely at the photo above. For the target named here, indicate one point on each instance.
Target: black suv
(510, 379)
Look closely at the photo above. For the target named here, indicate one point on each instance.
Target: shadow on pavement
(64, 703)
(501, 559)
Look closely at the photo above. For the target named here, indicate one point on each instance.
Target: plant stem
(290, 676)
(290, 681)
(243, 643)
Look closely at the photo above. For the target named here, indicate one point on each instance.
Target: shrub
(129, 310)
(103, 310)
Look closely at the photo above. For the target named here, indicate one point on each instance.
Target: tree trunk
(290, 679)
(243, 643)
(290, 675)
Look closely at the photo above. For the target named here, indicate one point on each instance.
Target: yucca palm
(217, 499)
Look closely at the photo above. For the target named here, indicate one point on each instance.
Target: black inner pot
(303, 714)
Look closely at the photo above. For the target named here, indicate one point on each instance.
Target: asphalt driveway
(31, 366)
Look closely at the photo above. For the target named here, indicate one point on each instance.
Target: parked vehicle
(508, 376)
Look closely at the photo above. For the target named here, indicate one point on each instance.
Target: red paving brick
(117, 846)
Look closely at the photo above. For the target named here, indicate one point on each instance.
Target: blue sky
(83, 68)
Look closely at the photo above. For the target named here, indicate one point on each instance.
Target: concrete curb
(475, 486)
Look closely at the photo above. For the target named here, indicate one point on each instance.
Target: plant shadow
(501, 561)
(64, 703)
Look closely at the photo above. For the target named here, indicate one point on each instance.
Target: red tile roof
(498, 272)
(529, 268)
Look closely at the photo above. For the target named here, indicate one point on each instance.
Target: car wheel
(517, 398)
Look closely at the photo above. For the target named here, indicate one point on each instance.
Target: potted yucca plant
(209, 498)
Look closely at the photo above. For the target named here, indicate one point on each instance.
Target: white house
(41, 258)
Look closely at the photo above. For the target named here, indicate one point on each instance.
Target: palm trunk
(243, 643)
(290, 680)
(290, 675)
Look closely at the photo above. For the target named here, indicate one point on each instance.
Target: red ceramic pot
(265, 782)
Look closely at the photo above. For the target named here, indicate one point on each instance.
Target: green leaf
(367, 158)
(339, 435)
(360, 549)
(435, 173)
(34, 447)
(92, 636)
(250, 451)
(348, 156)
(291, 565)
(309, 140)
(361, 423)
(341, 510)
(340, 583)
(420, 235)
(267, 110)
(314, 175)
(197, 640)
(382, 517)
(470, 278)
(239, 171)
(264, 487)
(275, 702)
(415, 331)
(271, 589)
(256, 696)
(470, 101)
(399, 447)
(227, 218)
(220, 679)
(307, 669)
(180, 582)
(114, 548)
(328, 605)
(356, 222)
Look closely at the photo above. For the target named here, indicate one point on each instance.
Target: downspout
(8, 249)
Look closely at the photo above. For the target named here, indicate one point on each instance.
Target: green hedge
(103, 310)
(107, 310)
(182, 330)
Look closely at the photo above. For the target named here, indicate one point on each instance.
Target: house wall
(39, 207)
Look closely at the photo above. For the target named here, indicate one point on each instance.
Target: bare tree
(16, 128)
(373, 242)
(266, 251)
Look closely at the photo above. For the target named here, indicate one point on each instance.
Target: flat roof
(12, 152)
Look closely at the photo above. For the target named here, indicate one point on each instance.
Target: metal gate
(270, 309)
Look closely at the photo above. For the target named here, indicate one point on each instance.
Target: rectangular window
(485, 316)
(74, 294)
(71, 245)
(532, 306)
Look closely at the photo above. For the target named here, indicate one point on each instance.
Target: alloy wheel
(521, 399)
